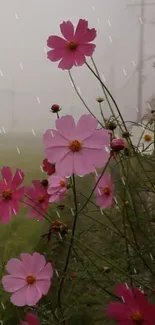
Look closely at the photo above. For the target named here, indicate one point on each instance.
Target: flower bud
(55, 108)
(100, 100)
(118, 144)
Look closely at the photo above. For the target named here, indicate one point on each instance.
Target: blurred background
(30, 83)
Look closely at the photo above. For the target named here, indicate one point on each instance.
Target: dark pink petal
(45, 273)
(89, 36)
(123, 291)
(19, 297)
(79, 59)
(81, 29)
(7, 174)
(105, 180)
(38, 187)
(86, 124)
(11, 284)
(67, 61)
(5, 212)
(65, 167)
(86, 49)
(43, 286)
(14, 207)
(32, 319)
(38, 262)
(66, 126)
(3, 186)
(18, 194)
(15, 267)
(144, 305)
(17, 179)
(56, 42)
(24, 323)
(128, 322)
(119, 311)
(33, 295)
(56, 54)
(67, 30)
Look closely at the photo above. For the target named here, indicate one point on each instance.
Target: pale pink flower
(77, 149)
(10, 195)
(28, 280)
(57, 187)
(104, 191)
(36, 200)
(31, 319)
(74, 47)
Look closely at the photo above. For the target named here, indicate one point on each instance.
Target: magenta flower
(31, 319)
(28, 280)
(57, 187)
(74, 47)
(36, 200)
(104, 191)
(77, 149)
(118, 144)
(10, 195)
(135, 308)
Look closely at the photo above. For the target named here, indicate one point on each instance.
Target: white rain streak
(71, 83)
(79, 90)
(98, 20)
(21, 65)
(133, 62)
(33, 132)
(110, 39)
(103, 77)
(18, 151)
(2, 305)
(115, 200)
(151, 257)
(52, 135)
(109, 23)
(149, 106)
(93, 7)
(1, 73)
(140, 20)
(124, 71)
(72, 212)
(20, 175)
(45, 50)
(41, 169)
(123, 181)
(16, 15)
(107, 149)
(122, 299)
(75, 260)
(5, 181)
(59, 235)
(98, 190)
(58, 214)
(14, 211)
(135, 271)
(38, 100)
(101, 211)
(3, 129)
(137, 109)
(95, 171)
(57, 274)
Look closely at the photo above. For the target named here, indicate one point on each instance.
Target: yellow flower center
(106, 190)
(30, 279)
(137, 318)
(7, 194)
(75, 145)
(62, 183)
(41, 198)
(147, 137)
(72, 45)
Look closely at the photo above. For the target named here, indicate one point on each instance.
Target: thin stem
(82, 100)
(70, 244)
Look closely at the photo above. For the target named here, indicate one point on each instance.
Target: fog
(30, 83)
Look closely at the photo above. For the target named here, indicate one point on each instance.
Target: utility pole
(140, 66)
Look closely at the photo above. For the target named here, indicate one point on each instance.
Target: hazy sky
(30, 84)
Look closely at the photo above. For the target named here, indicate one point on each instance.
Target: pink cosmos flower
(77, 149)
(74, 47)
(29, 279)
(48, 167)
(104, 191)
(31, 319)
(57, 187)
(36, 200)
(135, 308)
(10, 195)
